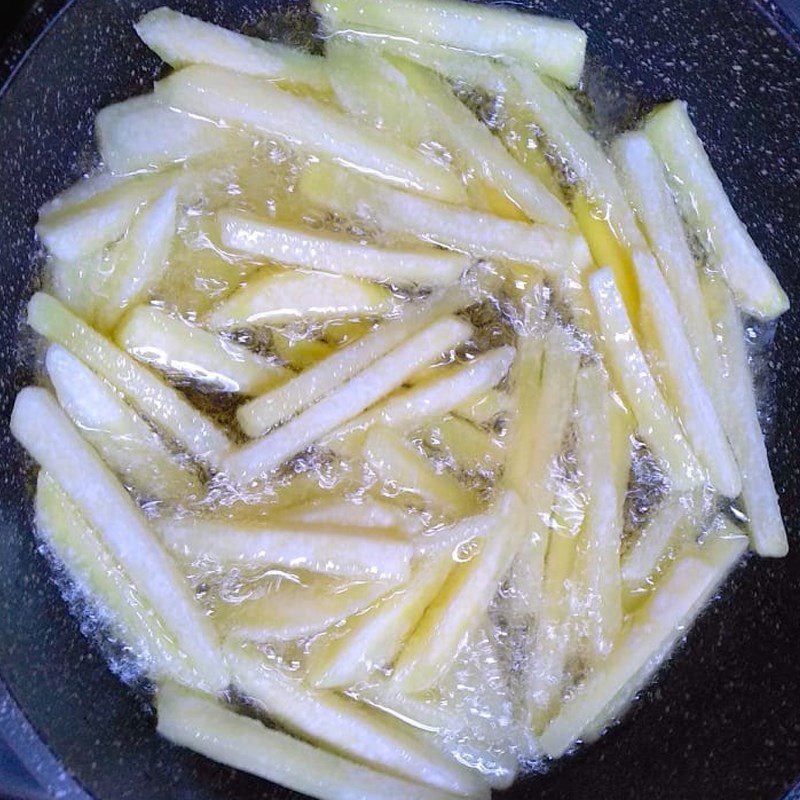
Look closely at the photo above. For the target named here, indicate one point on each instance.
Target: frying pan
(723, 718)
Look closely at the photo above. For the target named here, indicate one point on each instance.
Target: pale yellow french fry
(655, 421)
(55, 443)
(709, 212)
(306, 124)
(474, 232)
(556, 47)
(203, 725)
(468, 445)
(250, 461)
(405, 470)
(484, 409)
(338, 254)
(122, 438)
(153, 398)
(76, 283)
(345, 726)
(651, 635)
(180, 40)
(766, 528)
(367, 512)
(177, 347)
(272, 408)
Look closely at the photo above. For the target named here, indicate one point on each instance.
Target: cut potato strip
(708, 210)
(181, 40)
(442, 223)
(465, 596)
(740, 410)
(153, 398)
(143, 134)
(655, 421)
(653, 632)
(121, 437)
(100, 578)
(347, 727)
(345, 552)
(485, 409)
(203, 725)
(327, 252)
(367, 512)
(261, 414)
(306, 124)
(250, 461)
(682, 378)
(468, 445)
(556, 47)
(405, 470)
(177, 347)
(75, 283)
(54, 442)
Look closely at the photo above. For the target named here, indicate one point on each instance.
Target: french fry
(306, 124)
(338, 254)
(47, 434)
(708, 210)
(250, 461)
(433, 221)
(348, 727)
(468, 445)
(180, 40)
(177, 347)
(153, 398)
(75, 283)
(556, 47)
(655, 421)
(484, 409)
(739, 408)
(122, 438)
(367, 512)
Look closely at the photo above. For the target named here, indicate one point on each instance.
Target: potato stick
(177, 347)
(294, 611)
(436, 222)
(337, 254)
(101, 579)
(365, 513)
(250, 461)
(122, 438)
(484, 409)
(766, 528)
(334, 550)
(153, 398)
(655, 421)
(556, 47)
(708, 210)
(142, 134)
(645, 183)
(374, 638)
(346, 726)
(274, 407)
(203, 725)
(654, 630)
(180, 40)
(683, 381)
(406, 470)
(468, 445)
(74, 283)
(86, 189)
(278, 297)
(306, 124)
(466, 594)
(54, 442)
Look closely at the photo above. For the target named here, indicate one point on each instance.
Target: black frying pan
(723, 718)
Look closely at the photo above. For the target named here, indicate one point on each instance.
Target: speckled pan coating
(723, 720)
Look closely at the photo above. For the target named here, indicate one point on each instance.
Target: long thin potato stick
(345, 552)
(468, 445)
(272, 408)
(347, 727)
(122, 438)
(307, 124)
(368, 513)
(263, 455)
(46, 432)
(705, 205)
(484, 409)
(556, 47)
(337, 254)
(766, 528)
(153, 398)
(431, 220)
(655, 421)
(180, 40)
(74, 282)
